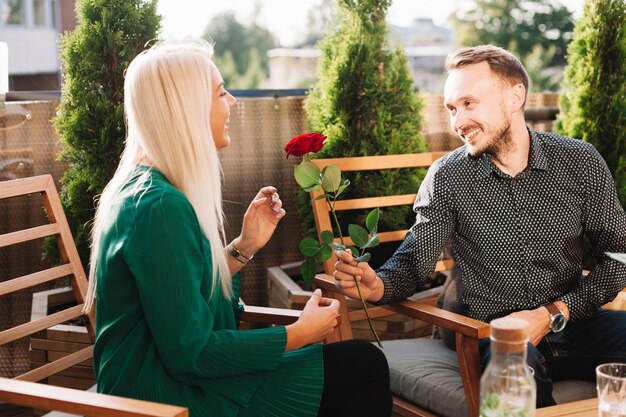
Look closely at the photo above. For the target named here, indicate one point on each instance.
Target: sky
(287, 18)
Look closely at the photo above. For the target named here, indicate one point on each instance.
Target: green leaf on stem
(341, 189)
(327, 237)
(309, 246)
(354, 251)
(324, 254)
(371, 222)
(307, 174)
(308, 269)
(314, 187)
(374, 241)
(319, 197)
(363, 258)
(331, 178)
(338, 246)
(358, 235)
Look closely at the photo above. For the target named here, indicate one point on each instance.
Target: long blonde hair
(167, 101)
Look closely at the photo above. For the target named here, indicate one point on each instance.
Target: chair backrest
(321, 212)
(70, 267)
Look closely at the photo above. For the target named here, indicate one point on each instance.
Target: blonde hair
(167, 101)
(503, 63)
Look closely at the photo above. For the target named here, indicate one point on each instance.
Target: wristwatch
(557, 319)
(234, 252)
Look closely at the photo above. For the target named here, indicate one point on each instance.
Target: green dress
(161, 337)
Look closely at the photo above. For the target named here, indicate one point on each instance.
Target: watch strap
(552, 308)
(235, 253)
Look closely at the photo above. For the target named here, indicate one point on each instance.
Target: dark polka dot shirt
(518, 242)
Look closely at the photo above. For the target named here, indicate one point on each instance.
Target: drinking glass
(611, 379)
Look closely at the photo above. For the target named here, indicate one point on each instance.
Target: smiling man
(516, 205)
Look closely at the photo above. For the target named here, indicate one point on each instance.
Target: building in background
(31, 29)
(292, 68)
(425, 44)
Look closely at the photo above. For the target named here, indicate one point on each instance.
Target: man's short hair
(503, 63)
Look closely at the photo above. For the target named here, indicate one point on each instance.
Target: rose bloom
(305, 143)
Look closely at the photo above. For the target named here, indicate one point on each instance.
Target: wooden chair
(25, 389)
(427, 378)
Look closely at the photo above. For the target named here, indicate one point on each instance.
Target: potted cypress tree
(593, 103)
(365, 103)
(90, 121)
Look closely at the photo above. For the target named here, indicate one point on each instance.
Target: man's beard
(500, 143)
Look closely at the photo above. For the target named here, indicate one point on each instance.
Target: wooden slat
(585, 408)
(58, 365)
(369, 163)
(34, 326)
(25, 235)
(444, 265)
(469, 365)
(382, 236)
(24, 186)
(267, 315)
(373, 202)
(374, 312)
(36, 278)
(403, 408)
(443, 318)
(80, 402)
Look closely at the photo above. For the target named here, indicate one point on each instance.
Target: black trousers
(356, 381)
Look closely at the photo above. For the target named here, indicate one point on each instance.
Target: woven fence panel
(28, 147)
(259, 129)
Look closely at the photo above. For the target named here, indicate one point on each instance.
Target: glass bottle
(507, 387)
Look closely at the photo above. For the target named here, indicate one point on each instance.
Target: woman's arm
(259, 223)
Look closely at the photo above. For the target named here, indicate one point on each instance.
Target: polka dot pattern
(518, 242)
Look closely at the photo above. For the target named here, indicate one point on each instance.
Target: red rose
(305, 143)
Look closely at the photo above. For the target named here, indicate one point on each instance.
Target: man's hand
(538, 323)
(347, 269)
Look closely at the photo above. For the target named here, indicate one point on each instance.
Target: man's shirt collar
(537, 159)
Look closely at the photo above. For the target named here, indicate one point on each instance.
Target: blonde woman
(166, 287)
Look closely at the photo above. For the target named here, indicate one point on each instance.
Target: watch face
(558, 323)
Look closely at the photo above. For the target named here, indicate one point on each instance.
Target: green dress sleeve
(237, 307)
(173, 276)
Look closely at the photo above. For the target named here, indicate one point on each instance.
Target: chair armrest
(267, 315)
(48, 397)
(430, 314)
(440, 317)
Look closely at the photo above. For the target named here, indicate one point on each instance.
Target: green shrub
(365, 103)
(593, 105)
(90, 122)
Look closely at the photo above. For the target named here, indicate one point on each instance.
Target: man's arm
(404, 273)
(604, 222)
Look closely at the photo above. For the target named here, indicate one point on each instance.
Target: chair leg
(469, 364)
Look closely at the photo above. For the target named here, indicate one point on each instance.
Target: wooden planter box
(283, 292)
(60, 340)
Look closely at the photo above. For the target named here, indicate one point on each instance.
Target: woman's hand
(260, 221)
(317, 321)
(346, 268)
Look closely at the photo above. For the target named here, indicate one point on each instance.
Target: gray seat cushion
(573, 390)
(426, 373)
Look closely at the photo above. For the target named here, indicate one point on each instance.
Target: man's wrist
(563, 308)
(378, 291)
